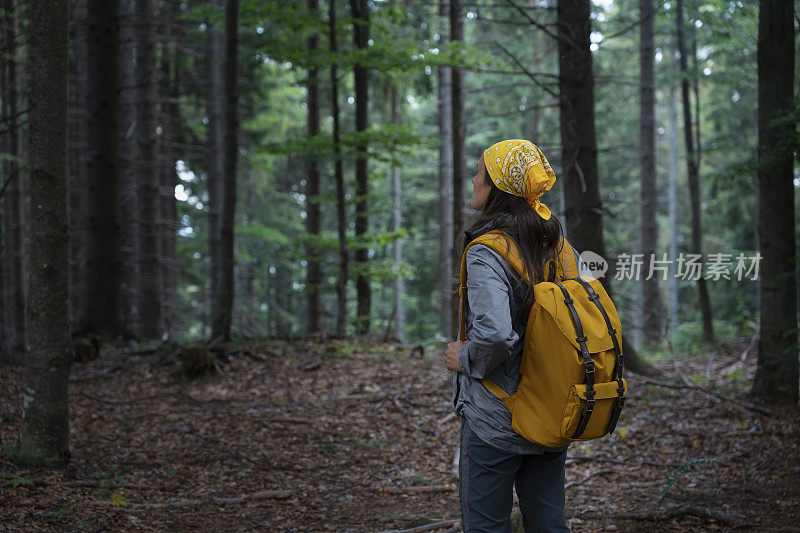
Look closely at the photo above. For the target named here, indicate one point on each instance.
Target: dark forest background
(253, 170)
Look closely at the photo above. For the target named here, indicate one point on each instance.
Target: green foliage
(510, 76)
(674, 475)
(14, 480)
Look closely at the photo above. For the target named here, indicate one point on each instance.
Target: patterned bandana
(518, 167)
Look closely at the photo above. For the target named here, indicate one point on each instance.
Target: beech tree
(584, 210)
(457, 117)
(652, 312)
(222, 308)
(101, 302)
(446, 231)
(360, 13)
(313, 209)
(777, 372)
(44, 433)
(692, 158)
(13, 327)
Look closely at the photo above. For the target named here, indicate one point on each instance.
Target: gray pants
(487, 476)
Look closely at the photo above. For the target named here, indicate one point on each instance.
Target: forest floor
(344, 436)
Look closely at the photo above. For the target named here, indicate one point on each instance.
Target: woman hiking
(510, 177)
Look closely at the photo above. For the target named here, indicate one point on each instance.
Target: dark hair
(537, 240)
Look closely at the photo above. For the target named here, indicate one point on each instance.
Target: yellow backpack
(572, 386)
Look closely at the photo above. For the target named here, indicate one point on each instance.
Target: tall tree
(223, 302)
(338, 173)
(673, 210)
(693, 173)
(777, 372)
(579, 145)
(215, 149)
(457, 89)
(313, 208)
(651, 298)
(14, 329)
(129, 94)
(150, 304)
(446, 231)
(170, 127)
(100, 309)
(44, 433)
(77, 156)
(360, 13)
(397, 224)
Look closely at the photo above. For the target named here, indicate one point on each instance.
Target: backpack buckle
(582, 339)
(594, 297)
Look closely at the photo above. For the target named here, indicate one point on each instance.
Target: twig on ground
(417, 489)
(431, 527)
(587, 476)
(710, 392)
(263, 495)
(680, 511)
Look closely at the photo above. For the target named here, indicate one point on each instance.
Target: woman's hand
(451, 356)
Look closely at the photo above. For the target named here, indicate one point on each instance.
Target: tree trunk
(129, 211)
(652, 311)
(13, 256)
(579, 146)
(446, 231)
(77, 143)
(397, 224)
(214, 151)
(341, 210)
(44, 433)
(313, 211)
(360, 11)
(223, 305)
(100, 313)
(777, 372)
(673, 212)
(151, 319)
(170, 114)
(693, 171)
(457, 35)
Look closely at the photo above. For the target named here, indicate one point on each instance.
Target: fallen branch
(81, 483)
(710, 392)
(295, 420)
(421, 489)
(587, 476)
(430, 527)
(683, 510)
(263, 495)
(407, 416)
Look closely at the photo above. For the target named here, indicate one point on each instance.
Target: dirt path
(363, 443)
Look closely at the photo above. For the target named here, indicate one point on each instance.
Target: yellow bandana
(518, 167)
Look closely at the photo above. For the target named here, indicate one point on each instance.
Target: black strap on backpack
(587, 362)
(617, 373)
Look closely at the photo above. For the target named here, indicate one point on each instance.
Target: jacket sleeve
(492, 335)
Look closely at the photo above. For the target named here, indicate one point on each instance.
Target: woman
(511, 176)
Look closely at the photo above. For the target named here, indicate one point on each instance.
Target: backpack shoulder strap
(566, 265)
(504, 245)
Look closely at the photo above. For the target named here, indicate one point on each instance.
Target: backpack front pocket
(606, 396)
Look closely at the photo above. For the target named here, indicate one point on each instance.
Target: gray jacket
(495, 293)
